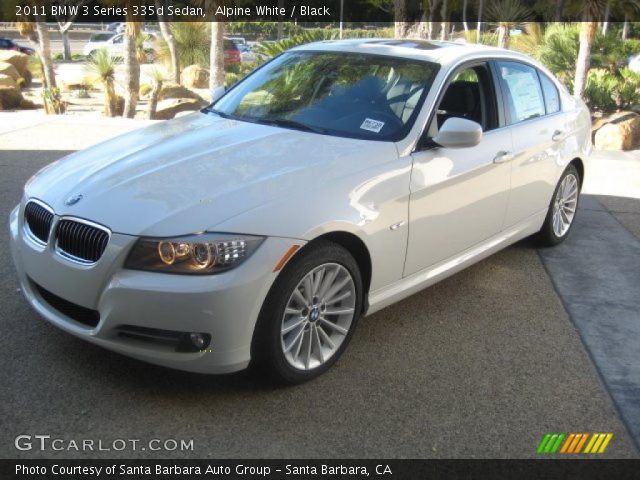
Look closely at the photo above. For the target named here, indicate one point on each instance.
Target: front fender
(367, 205)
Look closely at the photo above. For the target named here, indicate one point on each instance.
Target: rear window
(551, 95)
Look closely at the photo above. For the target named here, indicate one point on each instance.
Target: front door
(459, 196)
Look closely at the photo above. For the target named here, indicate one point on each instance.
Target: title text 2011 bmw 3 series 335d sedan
(333, 181)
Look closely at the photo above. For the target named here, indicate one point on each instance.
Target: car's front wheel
(309, 315)
(562, 210)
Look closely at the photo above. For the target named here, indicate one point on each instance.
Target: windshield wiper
(219, 113)
(288, 123)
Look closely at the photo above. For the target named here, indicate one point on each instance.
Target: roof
(433, 50)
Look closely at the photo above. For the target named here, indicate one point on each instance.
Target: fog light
(193, 342)
(198, 340)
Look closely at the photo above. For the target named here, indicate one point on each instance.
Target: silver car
(334, 181)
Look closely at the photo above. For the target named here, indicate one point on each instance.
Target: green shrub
(193, 43)
(608, 91)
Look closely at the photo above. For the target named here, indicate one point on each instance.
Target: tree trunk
(216, 67)
(503, 36)
(479, 27)
(444, 32)
(559, 10)
(625, 27)
(153, 100)
(66, 46)
(132, 71)
(110, 99)
(464, 15)
(605, 20)
(280, 21)
(587, 34)
(400, 16)
(44, 50)
(167, 35)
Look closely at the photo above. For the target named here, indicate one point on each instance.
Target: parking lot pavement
(480, 365)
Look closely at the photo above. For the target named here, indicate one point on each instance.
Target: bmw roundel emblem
(73, 199)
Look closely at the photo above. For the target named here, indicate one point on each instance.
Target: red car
(8, 44)
(231, 54)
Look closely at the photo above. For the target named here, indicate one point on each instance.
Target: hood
(187, 175)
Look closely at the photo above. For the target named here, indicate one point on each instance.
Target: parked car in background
(334, 181)
(246, 53)
(634, 63)
(232, 54)
(116, 27)
(114, 43)
(8, 44)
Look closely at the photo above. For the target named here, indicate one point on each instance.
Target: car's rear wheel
(309, 315)
(562, 210)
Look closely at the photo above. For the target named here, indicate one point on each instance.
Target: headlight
(202, 254)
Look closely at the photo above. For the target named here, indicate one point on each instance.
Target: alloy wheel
(318, 316)
(564, 205)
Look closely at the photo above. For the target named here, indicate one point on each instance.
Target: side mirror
(217, 93)
(459, 133)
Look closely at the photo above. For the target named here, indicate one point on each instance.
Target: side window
(470, 95)
(118, 39)
(551, 95)
(521, 87)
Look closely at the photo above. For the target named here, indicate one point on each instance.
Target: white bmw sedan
(333, 181)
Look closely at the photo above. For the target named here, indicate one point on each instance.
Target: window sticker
(372, 125)
(525, 93)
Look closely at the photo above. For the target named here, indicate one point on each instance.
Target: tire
(550, 234)
(303, 352)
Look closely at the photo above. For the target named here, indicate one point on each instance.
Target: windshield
(355, 95)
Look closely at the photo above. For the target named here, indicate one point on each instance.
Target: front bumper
(226, 306)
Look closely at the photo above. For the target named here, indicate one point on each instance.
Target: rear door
(534, 113)
(459, 195)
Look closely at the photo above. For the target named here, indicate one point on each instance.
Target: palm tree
(465, 25)
(38, 33)
(65, 22)
(167, 35)
(590, 13)
(507, 9)
(132, 66)
(605, 17)
(628, 9)
(559, 10)
(216, 62)
(479, 27)
(101, 69)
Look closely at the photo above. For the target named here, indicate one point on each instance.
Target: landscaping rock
(20, 61)
(619, 132)
(172, 90)
(168, 109)
(7, 81)
(73, 86)
(195, 76)
(10, 98)
(8, 69)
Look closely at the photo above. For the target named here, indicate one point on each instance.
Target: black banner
(311, 11)
(344, 469)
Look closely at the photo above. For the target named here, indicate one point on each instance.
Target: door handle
(557, 135)
(503, 157)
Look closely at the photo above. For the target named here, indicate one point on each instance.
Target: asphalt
(481, 365)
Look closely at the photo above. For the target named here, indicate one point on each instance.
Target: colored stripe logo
(574, 443)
